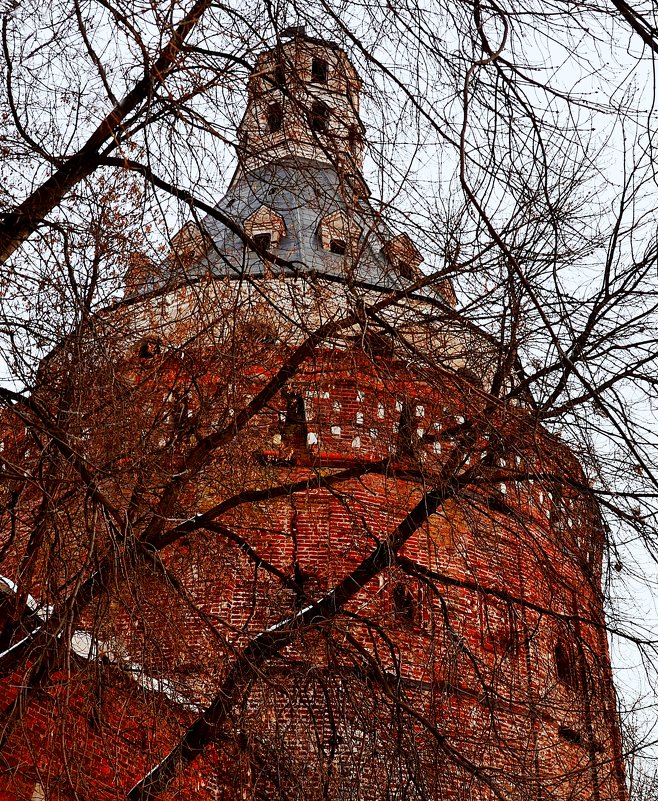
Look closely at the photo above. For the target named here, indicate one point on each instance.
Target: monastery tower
(314, 556)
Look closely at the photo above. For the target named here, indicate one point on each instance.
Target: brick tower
(282, 540)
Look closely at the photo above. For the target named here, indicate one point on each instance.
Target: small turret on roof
(304, 102)
(298, 186)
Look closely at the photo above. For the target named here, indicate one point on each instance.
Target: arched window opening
(565, 665)
(263, 241)
(319, 70)
(274, 116)
(403, 603)
(294, 420)
(318, 117)
(149, 348)
(338, 246)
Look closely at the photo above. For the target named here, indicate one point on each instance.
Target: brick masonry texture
(474, 663)
(277, 564)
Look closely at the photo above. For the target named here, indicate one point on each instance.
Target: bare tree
(275, 532)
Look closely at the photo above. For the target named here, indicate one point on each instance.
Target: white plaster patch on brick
(360, 396)
(359, 418)
(311, 438)
(335, 431)
(420, 411)
(381, 411)
(38, 794)
(356, 442)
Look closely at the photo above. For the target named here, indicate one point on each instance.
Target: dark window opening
(318, 117)
(403, 603)
(94, 718)
(276, 79)
(408, 439)
(263, 241)
(565, 665)
(338, 246)
(149, 349)
(294, 422)
(279, 76)
(406, 270)
(319, 70)
(274, 117)
(556, 508)
(570, 735)
(353, 139)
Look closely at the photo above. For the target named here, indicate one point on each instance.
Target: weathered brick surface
(485, 672)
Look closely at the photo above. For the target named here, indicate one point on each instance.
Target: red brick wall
(469, 648)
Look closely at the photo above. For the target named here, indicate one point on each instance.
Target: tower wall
(269, 512)
(473, 663)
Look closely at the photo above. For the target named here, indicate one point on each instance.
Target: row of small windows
(263, 243)
(338, 233)
(318, 119)
(319, 73)
(404, 606)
